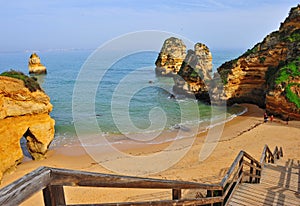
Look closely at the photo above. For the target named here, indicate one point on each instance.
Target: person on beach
(271, 118)
(265, 117)
(287, 119)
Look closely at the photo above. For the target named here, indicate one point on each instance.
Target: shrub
(289, 70)
(29, 82)
(262, 59)
(292, 97)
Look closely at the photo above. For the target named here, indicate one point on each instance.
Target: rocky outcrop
(264, 76)
(23, 113)
(195, 73)
(170, 57)
(35, 66)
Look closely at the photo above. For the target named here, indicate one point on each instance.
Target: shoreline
(246, 132)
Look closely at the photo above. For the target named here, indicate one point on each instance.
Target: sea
(121, 105)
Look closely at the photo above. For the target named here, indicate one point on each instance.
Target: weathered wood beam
(81, 178)
(26, 186)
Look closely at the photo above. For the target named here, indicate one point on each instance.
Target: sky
(41, 25)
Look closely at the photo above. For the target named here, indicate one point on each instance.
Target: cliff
(170, 57)
(24, 112)
(35, 66)
(268, 74)
(195, 73)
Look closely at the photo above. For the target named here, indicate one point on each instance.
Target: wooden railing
(247, 169)
(52, 181)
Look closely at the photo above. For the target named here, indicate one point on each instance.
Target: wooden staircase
(279, 185)
(270, 181)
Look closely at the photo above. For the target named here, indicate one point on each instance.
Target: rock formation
(170, 57)
(195, 73)
(23, 113)
(35, 66)
(268, 74)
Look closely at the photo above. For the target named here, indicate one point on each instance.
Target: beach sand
(246, 132)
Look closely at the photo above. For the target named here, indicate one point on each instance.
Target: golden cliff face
(254, 76)
(23, 113)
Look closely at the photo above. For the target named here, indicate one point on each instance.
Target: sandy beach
(246, 132)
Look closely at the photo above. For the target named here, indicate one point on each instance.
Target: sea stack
(35, 66)
(194, 73)
(170, 57)
(24, 112)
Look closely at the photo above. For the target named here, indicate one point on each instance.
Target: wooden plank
(251, 165)
(176, 194)
(232, 168)
(80, 178)
(268, 195)
(54, 195)
(263, 187)
(251, 200)
(233, 190)
(234, 202)
(25, 187)
(271, 199)
(200, 201)
(232, 182)
(251, 158)
(251, 175)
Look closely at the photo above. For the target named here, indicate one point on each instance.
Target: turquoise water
(63, 68)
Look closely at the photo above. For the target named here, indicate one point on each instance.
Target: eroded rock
(170, 57)
(35, 66)
(195, 73)
(23, 113)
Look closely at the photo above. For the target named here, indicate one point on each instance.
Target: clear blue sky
(67, 24)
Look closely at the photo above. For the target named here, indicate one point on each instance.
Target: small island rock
(35, 66)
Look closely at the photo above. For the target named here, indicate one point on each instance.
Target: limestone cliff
(170, 57)
(195, 73)
(268, 74)
(23, 113)
(35, 66)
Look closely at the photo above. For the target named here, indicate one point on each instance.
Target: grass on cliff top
(29, 82)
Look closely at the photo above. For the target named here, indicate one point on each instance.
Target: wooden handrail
(52, 180)
(66, 177)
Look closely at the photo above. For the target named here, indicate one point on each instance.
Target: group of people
(266, 117)
(272, 118)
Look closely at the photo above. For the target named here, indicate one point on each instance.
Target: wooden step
(267, 195)
(279, 185)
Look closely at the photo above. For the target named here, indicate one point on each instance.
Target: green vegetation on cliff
(294, 37)
(283, 76)
(29, 82)
(289, 70)
(291, 95)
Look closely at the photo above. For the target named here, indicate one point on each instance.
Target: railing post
(54, 195)
(176, 194)
(251, 171)
(241, 164)
(257, 172)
